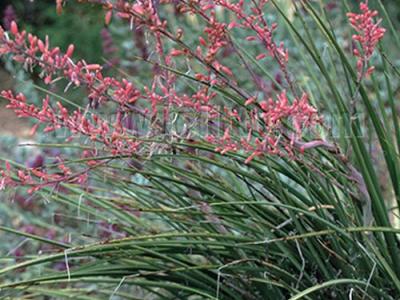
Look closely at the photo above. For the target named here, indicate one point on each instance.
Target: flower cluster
(38, 178)
(54, 65)
(35, 52)
(262, 32)
(369, 33)
(113, 136)
(268, 138)
(273, 126)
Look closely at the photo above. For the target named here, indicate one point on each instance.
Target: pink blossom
(273, 127)
(53, 64)
(274, 114)
(369, 33)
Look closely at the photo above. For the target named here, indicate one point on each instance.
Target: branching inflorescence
(268, 125)
(369, 33)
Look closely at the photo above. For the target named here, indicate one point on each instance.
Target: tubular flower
(112, 136)
(369, 33)
(54, 65)
(268, 120)
(274, 126)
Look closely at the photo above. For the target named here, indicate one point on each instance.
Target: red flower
(368, 36)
